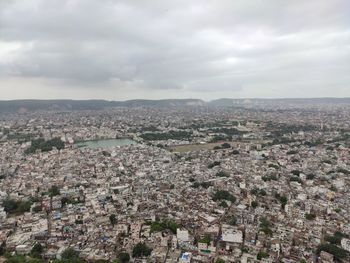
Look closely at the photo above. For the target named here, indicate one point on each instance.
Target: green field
(195, 147)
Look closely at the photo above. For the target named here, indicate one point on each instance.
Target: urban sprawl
(192, 184)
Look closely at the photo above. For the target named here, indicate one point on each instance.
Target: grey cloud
(225, 47)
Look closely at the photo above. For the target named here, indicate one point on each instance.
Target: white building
(345, 244)
(182, 235)
(230, 234)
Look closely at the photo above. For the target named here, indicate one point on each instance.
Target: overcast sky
(117, 50)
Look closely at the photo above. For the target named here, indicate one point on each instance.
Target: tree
(223, 204)
(223, 195)
(310, 176)
(296, 172)
(283, 199)
(37, 250)
(336, 238)
(23, 259)
(158, 226)
(265, 225)
(124, 257)
(24, 206)
(16, 206)
(9, 205)
(310, 216)
(35, 260)
(215, 163)
(254, 204)
(16, 259)
(54, 190)
(37, 209)
(205, 239)
(225, 145)
(113, 219)
(262, 255)
(141, 250)
(233, 221)
(70, 253)
(235, 152)
(41, 144)
(336, 251)
(220, 260)
(262, 192)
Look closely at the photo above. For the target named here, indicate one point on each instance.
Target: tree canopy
(141, 250)
(113, 219)
(44, 146)
(336, 251)
(162, 225)
(124, 257)
(223, 195)
(16, 206)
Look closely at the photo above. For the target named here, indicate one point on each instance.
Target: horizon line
(230, 98)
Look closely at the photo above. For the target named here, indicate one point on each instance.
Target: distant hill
(224, 102)
(161, 103)
(33, 105)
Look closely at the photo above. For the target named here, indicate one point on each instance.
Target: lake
(105, 143)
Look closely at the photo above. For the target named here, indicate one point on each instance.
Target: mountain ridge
(25, 105)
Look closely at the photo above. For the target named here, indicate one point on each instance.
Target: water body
(105, 143)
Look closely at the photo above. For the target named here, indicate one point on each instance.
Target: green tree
(283, 199)
(206, 239)
(16, 259)
(310, 176)
(54, 190)
(225, 145)
(220, 260)
(35, 260)
(113, 219)
(336, 238)
(336, 251)
(9, 205)
(254, 204)
(265, 226)
(223, 195)
(16, 206)
(124, 257)
(41, 144)
(223, 204)
(24, 206)
(310, 216)
(70, 253)
(37, 250)
(261, 255)
(232, 221)
(141, 250)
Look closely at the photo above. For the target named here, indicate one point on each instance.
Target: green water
(105, 143)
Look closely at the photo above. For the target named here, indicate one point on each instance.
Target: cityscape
(159, 131)
(250, 182)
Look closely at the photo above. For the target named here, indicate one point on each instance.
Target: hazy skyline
(118, 50)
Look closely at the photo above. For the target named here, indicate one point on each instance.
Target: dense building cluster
(202, 184)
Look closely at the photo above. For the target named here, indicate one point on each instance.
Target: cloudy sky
(206, 49)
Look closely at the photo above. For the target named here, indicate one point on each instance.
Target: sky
(206, 49)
